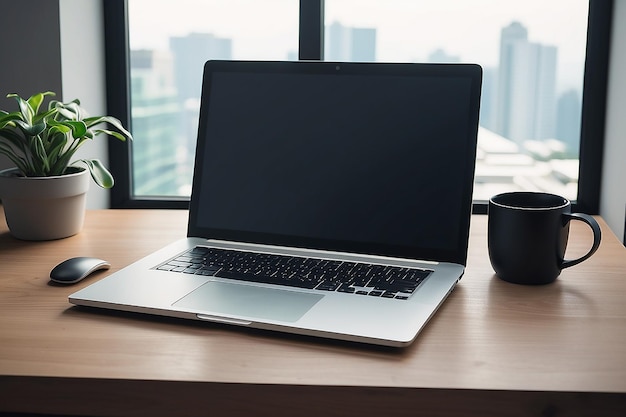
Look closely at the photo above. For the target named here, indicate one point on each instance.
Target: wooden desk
(494, 348)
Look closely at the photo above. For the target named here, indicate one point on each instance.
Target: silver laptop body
(336, 163)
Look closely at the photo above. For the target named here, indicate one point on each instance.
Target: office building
(350, 44)
(526, 98)
(190, 53)
(488, 97)
(155, 117)
(363, 45)
(568, 120)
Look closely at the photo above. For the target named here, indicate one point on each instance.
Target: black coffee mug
(527, 236)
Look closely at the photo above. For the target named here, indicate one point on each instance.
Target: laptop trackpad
(249, 301)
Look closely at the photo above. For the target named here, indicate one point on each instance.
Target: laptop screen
(358, 157)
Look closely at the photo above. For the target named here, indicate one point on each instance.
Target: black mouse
(75, 269)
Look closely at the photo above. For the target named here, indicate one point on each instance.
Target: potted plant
(44, 194)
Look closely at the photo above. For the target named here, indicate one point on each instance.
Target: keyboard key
(300, 272)
(179, 263)
(327, 286)
(346, 288)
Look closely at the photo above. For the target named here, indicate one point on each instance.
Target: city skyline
(407, 30)
(344, 43)
(180, 69)
(522, 86)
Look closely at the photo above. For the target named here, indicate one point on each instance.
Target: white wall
(83, 75)
(613, 191)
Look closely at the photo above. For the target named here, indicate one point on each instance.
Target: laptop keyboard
(294, 271)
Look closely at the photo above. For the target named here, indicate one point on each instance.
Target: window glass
(169, 43)
(532, 53)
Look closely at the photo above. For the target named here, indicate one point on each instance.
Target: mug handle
(595, 227)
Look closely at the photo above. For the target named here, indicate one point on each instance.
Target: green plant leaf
(56, 144)
(39, 152)
(74, 107)
(27, 111)
(30, 130)
(93, 121)
(14, 138)
(36, 99)
(99, 173)
(78, 128)
(58, 127)
(43, 143)
(8, 118)
(45, 116)
(20, 163)
(113, 133)
(65, 113)
(62, 158)
(69, 111)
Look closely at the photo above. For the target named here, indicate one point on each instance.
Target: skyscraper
(568, 120)
(350, 44)
(526, 102)
(190, 53)
(488, 105)
(155, 114)
(363, 45)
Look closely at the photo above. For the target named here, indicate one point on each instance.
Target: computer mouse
(76, 269)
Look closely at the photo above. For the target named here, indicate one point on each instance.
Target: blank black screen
(377, 163)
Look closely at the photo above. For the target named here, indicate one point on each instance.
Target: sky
(407, 30)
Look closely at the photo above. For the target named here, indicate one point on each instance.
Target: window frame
(311, 47)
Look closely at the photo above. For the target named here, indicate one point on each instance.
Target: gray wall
(61, 50)
(30, 55)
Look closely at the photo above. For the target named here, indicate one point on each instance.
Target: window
(532, 83)
(169, 41)
(542, 110)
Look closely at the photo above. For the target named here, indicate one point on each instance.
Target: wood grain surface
(494, 348)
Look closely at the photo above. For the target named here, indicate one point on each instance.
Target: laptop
(328, 199)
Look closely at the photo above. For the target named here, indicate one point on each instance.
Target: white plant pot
(44, 208)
